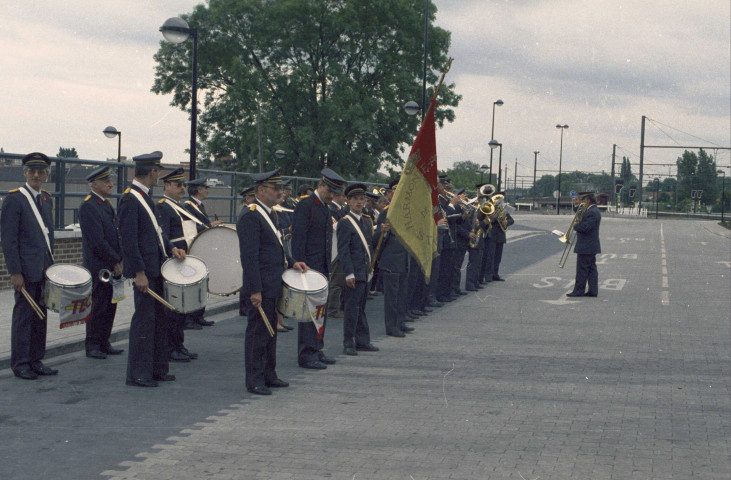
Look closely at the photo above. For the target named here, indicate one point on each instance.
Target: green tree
(697, 172)
(465, 175)
(67, 152)
(330, 76)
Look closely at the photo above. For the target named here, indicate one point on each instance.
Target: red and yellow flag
(414, 210)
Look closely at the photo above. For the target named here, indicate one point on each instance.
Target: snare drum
(73, 280)
(185, 283)
(296, 288)
(218, 247)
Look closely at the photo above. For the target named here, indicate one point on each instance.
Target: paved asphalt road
(512, 382)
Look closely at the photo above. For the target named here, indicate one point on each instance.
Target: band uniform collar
(145, 190)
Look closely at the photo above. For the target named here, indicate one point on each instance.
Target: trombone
(570, 236)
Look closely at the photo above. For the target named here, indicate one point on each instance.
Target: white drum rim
(207, 229)
(299, 290)
(67, 285)
(184, 284)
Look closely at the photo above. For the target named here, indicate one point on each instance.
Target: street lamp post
(560, 158)
(535, 164)
(111, 132)
(482, 170)
(657, 194)
(500, 168)
(492, 130)
(176, 30)
(493, 144)
(723, 191)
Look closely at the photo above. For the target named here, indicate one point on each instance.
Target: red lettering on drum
(320, 313)
(79, 306)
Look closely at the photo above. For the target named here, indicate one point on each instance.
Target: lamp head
(175, 30)
(111, 132)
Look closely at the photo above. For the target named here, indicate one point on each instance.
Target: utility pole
(614, 188)
(535, 163)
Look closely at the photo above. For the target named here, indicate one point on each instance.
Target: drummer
(144, 248)
(263, 260)
(101, 251)
(26, 234)
(198, 192)
(312, 232)
(172, 215)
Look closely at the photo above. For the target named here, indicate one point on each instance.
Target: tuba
(486, 209)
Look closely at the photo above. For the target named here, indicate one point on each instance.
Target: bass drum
(218, 248)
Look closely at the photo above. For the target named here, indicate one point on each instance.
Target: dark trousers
(498, 258)
(335, 288)
(474, 265)
(355, 324)
(446, 265)
(457, 263)
(586, 272)
(99, 326)
(489, 259)
(395, 289)
(436, 266)
(260, 347)
(417, 288)
(28, 332)
(148, 350)
(176, 325)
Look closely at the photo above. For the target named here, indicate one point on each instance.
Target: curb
(75, 346)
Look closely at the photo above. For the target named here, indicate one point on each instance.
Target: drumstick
(159, 299)
(32, 303)
(266, 321)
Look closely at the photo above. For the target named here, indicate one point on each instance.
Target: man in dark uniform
(586, 248)
(480, 225)
(393, 266)
(263, 260)
(496, 240)
(462, 232)
(101, 251)
(447, 256)
(249, 197)
(144, 248)
(198, 192)
(26, 233)
(338, 209)
(172, 215)
(312, 232)
(355, 235)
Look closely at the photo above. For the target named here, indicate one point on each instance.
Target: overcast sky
(69, 69)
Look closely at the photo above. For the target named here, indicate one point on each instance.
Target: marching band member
(144, 248)
(496, 239)
(586, 248)
(447, 256)
(477, 248)
(26, 234)
(171, 215)
(338, 209)
(312, 232)
(355, 234)
(462, 232)
(263, 260)
(101, 251)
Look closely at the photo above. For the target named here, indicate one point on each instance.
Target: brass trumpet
(465, 204)
(279, 208)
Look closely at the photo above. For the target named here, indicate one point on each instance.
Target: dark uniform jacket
(496, 233)
(24, 244)
(463, 229)
(170, 222)
(199, 212)
(99, 235)
(587, 238)
(312, 232)
(337, 212)
(393, 257)
(262, 256)
(352, 253)
(449, 211)
(141, 249)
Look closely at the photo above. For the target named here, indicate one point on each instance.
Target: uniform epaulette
(252, 207)
(87, 197)
(386, 207)
(366, 215)
(46, 192)
(162, 200)
(302, 197)
(189, 202)
(14, 190)
(128, 190)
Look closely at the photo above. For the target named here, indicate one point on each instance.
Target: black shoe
(204, 323)
(41, 369)
(188, 353)
(471, 289)
(288, 327)
(575, 294)
(406, 329)
(176, 356)
(460, 293)
(367, 348)
(26, 374)
(435, 304)
(141, 382)
(164, 378)
(427, 310)
(110, 350)
(483, 283)
(326, 360)
(96, 353)
(315, 365)
(590, 295)
(497, 278)
(277, 383)
(260, 390)
(487, 281)
(422, 313)
(396, 334)
(282, 330)
(411, 316)
(193, 326)
(350, 351)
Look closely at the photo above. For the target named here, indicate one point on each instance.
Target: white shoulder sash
(360, 234)
(39, 219)
(271, 225)
(142, 201)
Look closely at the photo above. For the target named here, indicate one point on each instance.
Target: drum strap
(142, 201)
(269, 221)
(189, 230)
(360, 234)
(194, 205)
(39, 219)
(185, 212)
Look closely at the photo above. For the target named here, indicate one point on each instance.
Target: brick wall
(67, 249)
